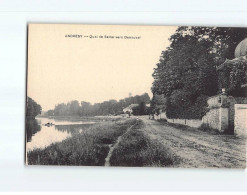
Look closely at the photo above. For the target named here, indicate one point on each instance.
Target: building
(128, 110)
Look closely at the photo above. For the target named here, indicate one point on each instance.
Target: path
(197, 148)
(113, 146)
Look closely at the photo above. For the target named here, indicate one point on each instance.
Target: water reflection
(32, 127)
(62, 122)
(40, 136)
(45, 137)
(73, 129)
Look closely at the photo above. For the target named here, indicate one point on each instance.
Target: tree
(74, 108)
(33, 109)
(158, 103)
(223, 39)
(111, 107)
(141, 109)
(50, 112)
(233, 75)
(186, 73)
(85, 109)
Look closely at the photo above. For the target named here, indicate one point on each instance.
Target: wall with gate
(222, 113)
(240, 119)
(226, 114)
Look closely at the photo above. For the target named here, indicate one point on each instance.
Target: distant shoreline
(82, 118)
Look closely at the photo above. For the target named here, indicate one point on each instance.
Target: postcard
(136, 96)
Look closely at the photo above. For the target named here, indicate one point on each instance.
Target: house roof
(133, 105)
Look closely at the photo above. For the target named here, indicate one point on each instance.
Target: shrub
(207, 128)
(183, 107)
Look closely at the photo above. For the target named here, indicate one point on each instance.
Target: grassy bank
(89, 148)
(136, 149)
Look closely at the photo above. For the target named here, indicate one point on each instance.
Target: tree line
(111, 107)
(33, 109)
(141, 109)
(186, 75)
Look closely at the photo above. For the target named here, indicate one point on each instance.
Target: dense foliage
(158, 104)
(33, 109)
(233, 76)
(111, 107)
(141, 109)
(186, 73)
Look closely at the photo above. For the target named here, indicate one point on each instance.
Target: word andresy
(101, 36)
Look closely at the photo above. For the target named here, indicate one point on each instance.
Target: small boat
(49, 124)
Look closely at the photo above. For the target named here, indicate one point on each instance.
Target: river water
(40, 136)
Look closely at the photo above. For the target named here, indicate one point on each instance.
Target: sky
(97, 65)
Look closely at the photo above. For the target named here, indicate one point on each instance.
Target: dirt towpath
(196, 148)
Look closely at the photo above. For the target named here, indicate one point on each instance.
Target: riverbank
(83, 118)
(120, 142)
(136, 149)
(88, 148)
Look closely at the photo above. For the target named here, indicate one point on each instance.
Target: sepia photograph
(136, 96)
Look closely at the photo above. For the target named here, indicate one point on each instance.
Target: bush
(207, 128)
(181, 106)
(141, 109)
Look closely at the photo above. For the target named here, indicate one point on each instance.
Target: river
(39, 135)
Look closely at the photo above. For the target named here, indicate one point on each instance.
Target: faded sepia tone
(122, 95)
(61, 69)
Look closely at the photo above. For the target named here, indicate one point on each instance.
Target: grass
(138, 150)
(88, 148)
(207, 128)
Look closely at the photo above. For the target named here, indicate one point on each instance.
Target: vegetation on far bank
(83, 118)
(138, 150)
(88, 148)
(32, 108)
(111, 107)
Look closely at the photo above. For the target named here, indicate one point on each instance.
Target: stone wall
(187, 122)
(177, 121)
(232, 101)
(214, 101)
(163, 115)
(194, 123)
(221, 114)
(212, 118)
(240, 119)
